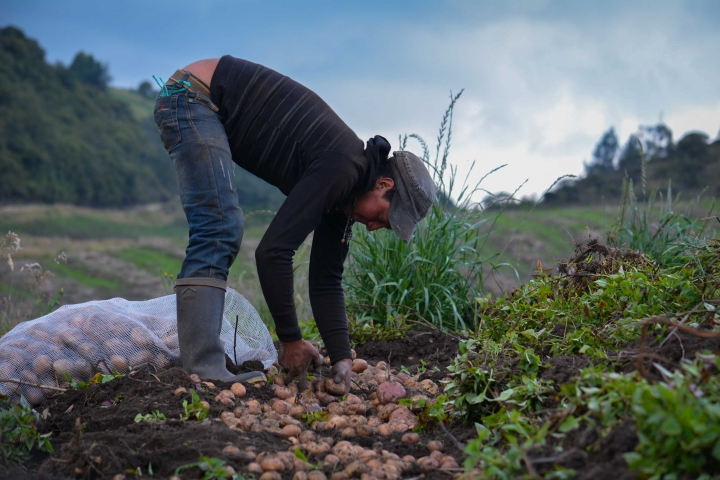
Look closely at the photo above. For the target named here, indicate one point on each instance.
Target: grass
(151, 260)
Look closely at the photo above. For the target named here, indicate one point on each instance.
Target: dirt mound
(429, 346)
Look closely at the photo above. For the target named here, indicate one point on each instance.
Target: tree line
(64, 138)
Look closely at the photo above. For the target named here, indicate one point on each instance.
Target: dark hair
(389, 194)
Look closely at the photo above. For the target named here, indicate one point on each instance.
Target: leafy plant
(437, 275)
(152, 417)
(18, 432)
(212, 468)
(318, 416)
(194, 409)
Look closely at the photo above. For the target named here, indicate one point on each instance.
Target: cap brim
(400, 222)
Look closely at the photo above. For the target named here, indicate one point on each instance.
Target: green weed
(152, 417)
(212, 468)
(195, 408)
(18, 432)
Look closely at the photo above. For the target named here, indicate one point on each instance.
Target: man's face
(371, 209)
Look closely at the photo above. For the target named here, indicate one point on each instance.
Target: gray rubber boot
(200, 305)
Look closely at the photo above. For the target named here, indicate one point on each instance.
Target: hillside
(67, 138)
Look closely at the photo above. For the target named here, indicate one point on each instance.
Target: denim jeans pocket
(167, 122)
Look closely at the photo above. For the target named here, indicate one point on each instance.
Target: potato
(410, 438)
(449, 465)
(161, 361)
(381, 377)
(270, 476)
(316, 475)
(270, 423)
(42, 335)
(359, 409)
(344, 450)
(355, 420)
(317, 448)
(356, 469)
(71, 338)
(42, 365)
(434, 445)
(231, 421)
(359, 365)
(290, 430)
(238, 389)
(63, 366)
(280, 406)
(114, 346)
(337, 423)
(33, 395)
(281, 392)
(390, 392)
(365, 430)
(437, 455)
(118, 363)
(385, 411)
(347, 432)
(319, 385)
(430, 387)
(307, 436)
(254, 467)
(247, 421)
(335, 408)
(403, 414)
(139, 358)
(385, 430)
(78, 319)
(331, 462)
(253, 407)
(171, 341)
(300, 466)
(89, 351)
(141, 337)
(297, 412)
(427, 464)
(333, 388)
(339, 476)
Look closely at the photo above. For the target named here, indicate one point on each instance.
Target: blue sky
(543, 79)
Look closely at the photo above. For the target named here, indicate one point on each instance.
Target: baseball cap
(415, 193)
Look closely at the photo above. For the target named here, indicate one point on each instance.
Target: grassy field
(127, 253)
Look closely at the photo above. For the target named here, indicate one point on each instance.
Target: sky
(542, 80)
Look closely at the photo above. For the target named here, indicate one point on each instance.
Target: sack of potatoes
(75, 342)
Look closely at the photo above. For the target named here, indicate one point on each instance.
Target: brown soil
(95, 435)
(433, 347)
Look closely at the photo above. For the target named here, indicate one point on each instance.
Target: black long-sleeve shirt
(287, 135)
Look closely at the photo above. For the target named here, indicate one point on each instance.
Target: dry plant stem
(452, 437)
(528, 465)
(641, 356)
(682, 322)
(37, 385)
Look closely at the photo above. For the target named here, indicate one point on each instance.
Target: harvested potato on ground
(428, 464)
(297, 412)
(390, 392)
(430, 387)
(316, 475)
(290, 430)
(410, 438)
(344, 450)
(356, 469)
(434, 445)
(337, 423)
(402, 413)
(359, 365)
(238, 389)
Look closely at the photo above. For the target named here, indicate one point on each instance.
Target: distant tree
(631, 159)
(604, 154)
(88, 70)
(146, 90)
(657, 140)
(691, 158)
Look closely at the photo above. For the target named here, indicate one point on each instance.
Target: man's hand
(340, 372)
(296, 358)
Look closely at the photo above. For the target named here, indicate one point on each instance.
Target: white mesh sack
(102, 336)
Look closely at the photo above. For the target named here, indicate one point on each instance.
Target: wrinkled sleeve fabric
(327, 298)
(326, 183)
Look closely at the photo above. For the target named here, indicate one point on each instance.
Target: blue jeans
(195, 138)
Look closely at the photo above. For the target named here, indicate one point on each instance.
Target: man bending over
(216, 112)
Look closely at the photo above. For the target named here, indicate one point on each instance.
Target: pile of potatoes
(79, 344)
(337, 412)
